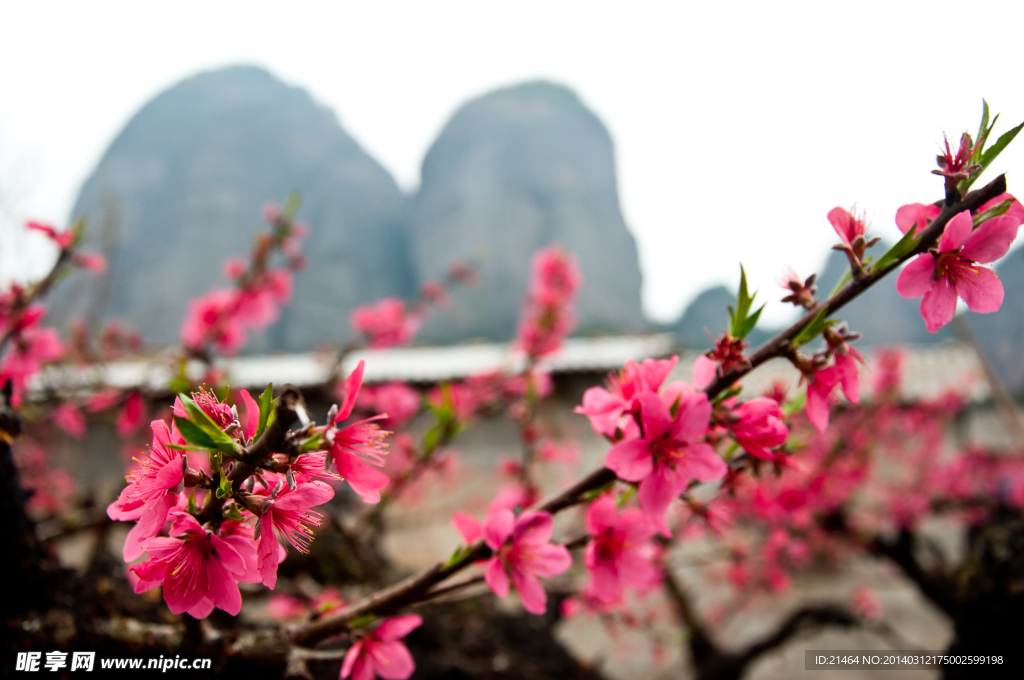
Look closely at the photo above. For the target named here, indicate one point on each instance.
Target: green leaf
(266, 408)
(994, 211)
(222, 441)
(814, 328)
(194, 435)
(361, 622)
(984, 129)
(993, 151)
(752, 321)
(458, 555)
(796, 404)
(225, 487)
(596, 493)
(291, 206)
(190, 507)
(739, 317)
(898, 251)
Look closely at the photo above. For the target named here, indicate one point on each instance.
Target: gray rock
(1001, 334)
(181, 189)
(513, 171)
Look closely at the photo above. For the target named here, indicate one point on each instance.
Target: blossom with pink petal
(152, 490)
(915, 216)
(620, 553)
(608, 409)
(670, 453)
(952, 270)
(844, 372)
(358, 446)
(380, 654)
(197, 569)
(287, 514)
(522, 551)
(759, 425)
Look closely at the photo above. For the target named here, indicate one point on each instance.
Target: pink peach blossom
(620, 553)
(198, 570)
(152, 490)
(670, 453)
(952, 271)
(380, 654)
(606, 408)
(288, 514)
(358, 446)
(848, 226)
(759, 425)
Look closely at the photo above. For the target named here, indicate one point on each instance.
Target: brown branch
(416, 586)
(780, 344)
(934, 585)
(272, 440)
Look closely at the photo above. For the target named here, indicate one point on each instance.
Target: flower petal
(956, 232)
(918, 277)
(397, 627)
(531, 592)
(938, 305)
(991, 240)
(496, 578)
(601, 515)
(630, 460)
(980, 288)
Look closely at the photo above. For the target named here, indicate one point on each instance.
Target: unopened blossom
(848, 226)
(801, 292)
(197, 569)
(759, 425)
(386, 323)
(289, 516)
(671, 452)
(958, 166)
(358, 448)
(726, 355)
(94, 262)
(953, 270)
(153, 488)
(380, 654)
(619, 555)
(63, 239)
(607, 408)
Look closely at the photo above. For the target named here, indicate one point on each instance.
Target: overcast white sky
(737, 126)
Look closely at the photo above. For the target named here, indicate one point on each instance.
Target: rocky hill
(513, 171)
(181, 188)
